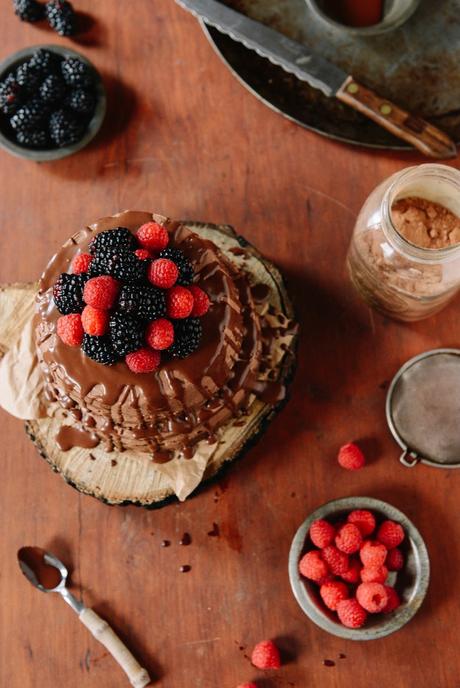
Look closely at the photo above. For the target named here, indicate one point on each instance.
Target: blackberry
(68, 293)
(144, 302)
(65, 129)
(44, 61)
(185, 267)
(28, 10)
(76, 72)
(29, 116)
(126, 333)
(61, 17)
(52, 89)
(28, 77)
(99, 349)
(33, 139)
(81, 101)
(117, 238)
(124, 266)
(10, 95)
(187, 337)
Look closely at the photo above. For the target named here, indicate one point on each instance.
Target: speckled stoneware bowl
(44, 155)
(395, 13)
(411, 583)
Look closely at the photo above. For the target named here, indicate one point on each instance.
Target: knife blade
(321, 74)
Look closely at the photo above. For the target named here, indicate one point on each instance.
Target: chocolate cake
(239, 360)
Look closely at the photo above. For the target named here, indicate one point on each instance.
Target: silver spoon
(47, 573)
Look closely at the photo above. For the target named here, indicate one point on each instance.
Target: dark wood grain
(184, 138)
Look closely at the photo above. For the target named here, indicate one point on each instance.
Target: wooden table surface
(185, 139)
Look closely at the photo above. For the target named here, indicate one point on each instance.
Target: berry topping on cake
(163, 273)
(152, 236)
(185, 267)
(69, 328)
(122, 314)
(143, 361)
(179, 302)
(160, 334)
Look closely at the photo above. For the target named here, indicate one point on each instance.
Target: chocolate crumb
(185, 568)
(328, 662)
(215, 532)
(185, 540)
(342, 656)
(113, 462)
(165, 543)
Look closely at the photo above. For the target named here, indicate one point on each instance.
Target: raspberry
(100, 292)
(374, 574)
(266, 655)
(152, 236)
(394, 560)
(393, 600)
(349, 539)
(322, 533)
(313, 567)
(332, 593)
(351, 457)
(95, 321)
(353, 575)
(163, 273)
(201, 301)
(336, 560)
(373, 553)
(143, 361)
(160, 334)
(373, 597)
(185, 267)
(179, 301)
(81, 263)
(390, 534)
(247, 685)
(70, 329)
(362, 519)
(142, 254)
(351, 614)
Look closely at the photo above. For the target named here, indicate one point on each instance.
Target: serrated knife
(308, 66)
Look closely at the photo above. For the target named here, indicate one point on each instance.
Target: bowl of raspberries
(359, 568)
(52, 103)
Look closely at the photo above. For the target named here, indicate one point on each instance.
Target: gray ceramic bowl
(94, 125)
(396, 12)
(411, 583)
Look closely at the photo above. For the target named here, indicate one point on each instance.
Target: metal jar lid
(423, 409)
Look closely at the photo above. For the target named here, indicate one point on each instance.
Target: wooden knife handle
(416, 131)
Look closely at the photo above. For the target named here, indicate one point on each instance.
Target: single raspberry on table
(351, 457)
(201, 301)
(332, 593)
(313, 567)
(152, 236)
(336, 560)
(81, 263)
(349, 539)
(322, 533)
(101, 292)
(143, 361)
(179, 302)
(373, 553)
(374, 574)
(247, 685)
(373, 597)
(351, 614)
(160, 334)
(353, 575)
(390, 534)
(163, 273)
(70, 329)
(362, 519)
(266, 655)
(142, 254)
(393, 600)
(394, 560)
(95, 321)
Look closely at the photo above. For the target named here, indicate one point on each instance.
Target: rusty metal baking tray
(417, 66)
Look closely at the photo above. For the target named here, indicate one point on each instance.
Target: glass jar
(393, 275)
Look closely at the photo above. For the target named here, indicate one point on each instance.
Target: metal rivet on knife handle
(421, 134)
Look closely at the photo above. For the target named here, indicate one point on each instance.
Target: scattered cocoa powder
(425, 223)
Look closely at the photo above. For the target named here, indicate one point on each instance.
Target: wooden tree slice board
(127, 477)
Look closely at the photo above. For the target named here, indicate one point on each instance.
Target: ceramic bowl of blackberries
(52, 103)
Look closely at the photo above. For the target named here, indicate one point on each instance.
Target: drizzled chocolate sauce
(69, 437)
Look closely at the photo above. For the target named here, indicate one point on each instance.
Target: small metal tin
(423, 409)
(396, 12)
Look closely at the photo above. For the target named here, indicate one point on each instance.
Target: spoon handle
(101, 630)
